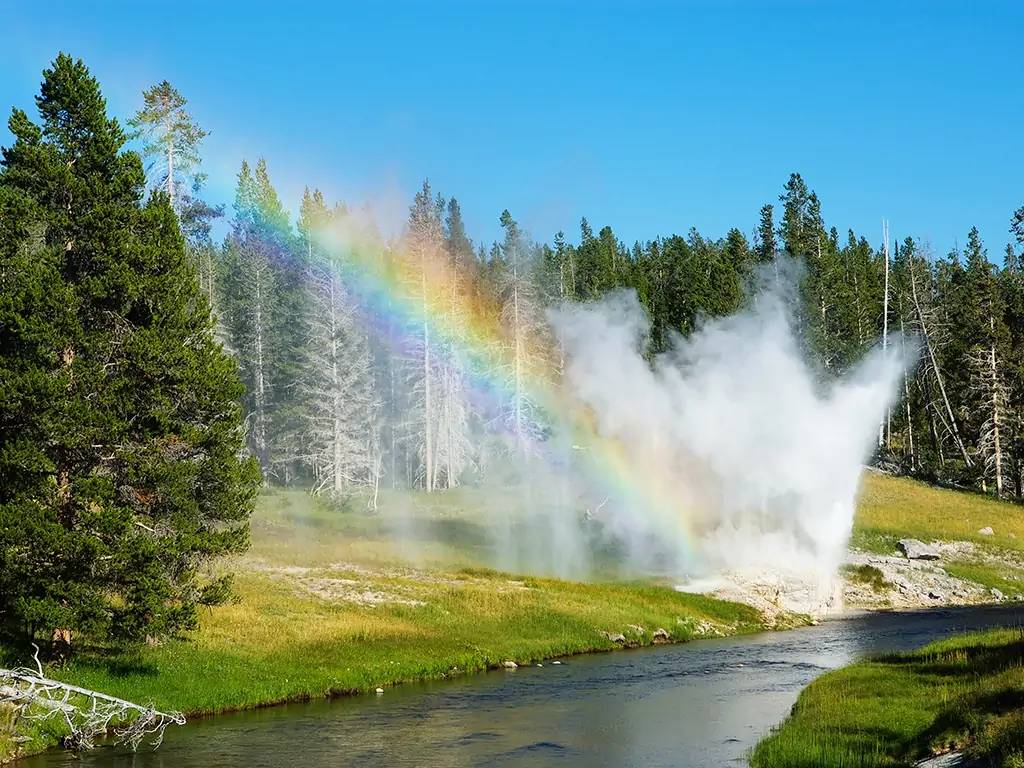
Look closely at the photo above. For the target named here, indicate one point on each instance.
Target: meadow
(330, 600)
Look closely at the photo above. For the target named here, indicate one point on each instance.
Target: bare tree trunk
(996, 415)
(337, 434)
(882, 437)
(906, 390)
(935, 368)
(260, 405)
(427, 414)
(170, 166)
(517, 349)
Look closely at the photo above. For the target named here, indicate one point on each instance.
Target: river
(699, 704)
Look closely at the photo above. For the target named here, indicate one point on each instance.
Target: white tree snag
(87, 714)
(951, 426)
(882, 436)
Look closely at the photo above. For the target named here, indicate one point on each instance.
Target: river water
(704, 703)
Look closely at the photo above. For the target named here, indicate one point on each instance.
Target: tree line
(403, 416)
(150, 376)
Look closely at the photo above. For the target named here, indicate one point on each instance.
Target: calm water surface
(701, 704)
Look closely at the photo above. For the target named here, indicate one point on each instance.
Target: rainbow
(403, 289)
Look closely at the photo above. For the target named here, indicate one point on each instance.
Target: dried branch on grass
(87, 714)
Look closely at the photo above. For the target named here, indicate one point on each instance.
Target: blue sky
(650, 117)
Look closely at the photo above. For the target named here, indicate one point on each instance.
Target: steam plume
(761, 458)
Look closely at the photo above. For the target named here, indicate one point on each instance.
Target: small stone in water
(556, 662)
(380, 691)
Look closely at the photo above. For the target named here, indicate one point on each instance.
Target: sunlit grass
(891, 508)
(965, 692)
(327, 602)
(1005, 578)
(333, 600)
(868, 575)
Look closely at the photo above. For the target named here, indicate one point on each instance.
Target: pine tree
(523, 326)
(119, 421)
(988, 395)
(172, 139)
(252, 300)
(455, 449)
(424, 246)
(1011, 286)
(766, 249)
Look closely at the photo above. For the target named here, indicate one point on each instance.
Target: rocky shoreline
(913, 576)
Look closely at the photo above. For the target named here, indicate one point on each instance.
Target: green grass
(866, 574)
(278, 644)
(332, 600)
(1007, 579)
(892, 508)
(966, 692)
(327, 603)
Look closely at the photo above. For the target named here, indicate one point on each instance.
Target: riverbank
(964, 695)
(976, 556)
(326, 607)
(331, 602)
(978, 544)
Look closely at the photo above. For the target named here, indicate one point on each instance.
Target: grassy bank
(892, 508)
(328, 604)
(963, 693)
(335, 601)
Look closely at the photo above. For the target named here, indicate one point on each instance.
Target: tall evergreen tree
(119, 418)
(172, 140)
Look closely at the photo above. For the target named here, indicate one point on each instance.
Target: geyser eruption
(756, 457)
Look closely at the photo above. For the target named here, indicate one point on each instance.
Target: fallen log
(87, 714)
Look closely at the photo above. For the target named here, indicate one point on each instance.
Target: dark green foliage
(120, 431)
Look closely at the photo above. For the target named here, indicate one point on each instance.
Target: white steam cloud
(759, 456)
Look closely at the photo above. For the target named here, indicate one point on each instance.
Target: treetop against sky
(651, 117)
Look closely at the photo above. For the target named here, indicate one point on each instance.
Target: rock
(380, 691)
(636, 628)
(661, 636)
(987, 531)
(556, 662)
(615, 637)
(509, 665)
(948, 760)
(998, 595)
(934, 595)
(913, 549)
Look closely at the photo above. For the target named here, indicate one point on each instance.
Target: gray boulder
(660, 636)
(987, 531)
(913, 549)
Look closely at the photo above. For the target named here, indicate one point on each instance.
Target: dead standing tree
(925, 328)
(992, 397)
